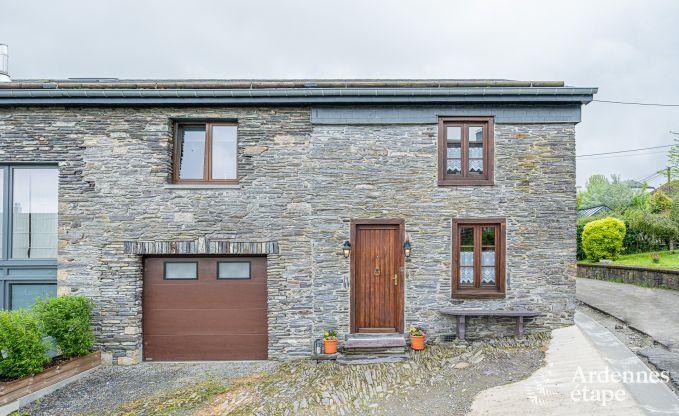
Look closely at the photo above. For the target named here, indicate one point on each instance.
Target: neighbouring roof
(592, 211)
(335, 91)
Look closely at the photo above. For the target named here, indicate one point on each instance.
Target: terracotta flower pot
(329, 347)
(417, 343)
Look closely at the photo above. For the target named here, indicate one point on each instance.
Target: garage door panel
(205, 318)
(205, 347)
(237, 296)
(211, 321)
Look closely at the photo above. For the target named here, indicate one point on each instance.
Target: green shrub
(67, 319)
(22, 350)
(602, 239)
(659, 202)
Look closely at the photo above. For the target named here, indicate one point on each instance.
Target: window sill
(465, 182)
(188, 186)
(478, 294)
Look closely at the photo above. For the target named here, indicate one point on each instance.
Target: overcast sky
(629, 49)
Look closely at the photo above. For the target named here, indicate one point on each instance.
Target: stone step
(382, 351)
(370, 359)
(374, 341)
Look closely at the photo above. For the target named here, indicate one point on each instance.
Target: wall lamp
(346, 249)
(407, 247)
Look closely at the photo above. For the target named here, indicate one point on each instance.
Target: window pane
(453, 133)
(476, 166)
(175, 270)
(454, 150)
(34, 213)
(488, 236)
(192, 153)
(466, 236)
(2, 205)
(454, 167)
(233, 270)
(488, 275)
(488, 256)
(467, 256)
(466, 275)
(25, 295)
(476, 134)
(224, 152)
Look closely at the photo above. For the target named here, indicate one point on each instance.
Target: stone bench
(461, 314)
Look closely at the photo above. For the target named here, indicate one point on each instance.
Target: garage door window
(233, 270)
(186, 270)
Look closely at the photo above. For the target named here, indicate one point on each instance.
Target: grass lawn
(667, 260)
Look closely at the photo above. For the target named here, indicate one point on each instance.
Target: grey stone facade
(300, 185)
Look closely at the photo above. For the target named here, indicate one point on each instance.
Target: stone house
(241, 219)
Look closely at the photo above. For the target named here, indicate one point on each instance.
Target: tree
(602, 239)
(615, 194)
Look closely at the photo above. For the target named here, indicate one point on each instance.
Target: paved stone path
(560, 389)
(652, 311)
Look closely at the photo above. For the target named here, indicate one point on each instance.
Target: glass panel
(233, 270)
(34, 213)
(454, 150)
(476, 150)
(466, 275)
(466, 236)
(224, 152)
(454, 167)
(467, 256)
(488, 275)
(192, 153)
(488, 236)
(476, 166)
(2, 206)
(488, 257)
(187, 270)
(475, 134)
(454, 133)
(25, 295)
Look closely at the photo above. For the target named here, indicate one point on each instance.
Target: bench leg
(519, 326)
(460, 327)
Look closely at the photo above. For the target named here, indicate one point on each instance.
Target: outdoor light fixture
(407, 248)
(346, 249)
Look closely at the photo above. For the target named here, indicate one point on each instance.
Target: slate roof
(591, 211)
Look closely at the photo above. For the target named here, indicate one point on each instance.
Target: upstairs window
(206, 153)
(465, 151)
(478, 258)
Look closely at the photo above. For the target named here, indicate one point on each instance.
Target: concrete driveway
(652, 311)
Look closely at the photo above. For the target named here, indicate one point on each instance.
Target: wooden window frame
(207, 161)
(444, 179)
(478, 291)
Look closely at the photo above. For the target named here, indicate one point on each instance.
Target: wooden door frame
(352, 285)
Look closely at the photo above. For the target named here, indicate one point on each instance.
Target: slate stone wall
(646, 276)
(300, 185)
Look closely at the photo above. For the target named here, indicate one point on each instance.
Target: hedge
(22, 349)
(24, 341)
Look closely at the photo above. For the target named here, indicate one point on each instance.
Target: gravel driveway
(109, 387)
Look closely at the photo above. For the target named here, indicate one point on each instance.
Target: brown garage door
(205, 308)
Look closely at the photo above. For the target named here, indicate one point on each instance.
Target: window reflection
(34, 213)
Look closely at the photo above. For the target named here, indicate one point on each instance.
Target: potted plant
(417, 337)
(330, 342)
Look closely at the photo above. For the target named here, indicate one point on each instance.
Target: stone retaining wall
(646, 276)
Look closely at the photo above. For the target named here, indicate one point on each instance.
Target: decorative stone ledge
(200, 246)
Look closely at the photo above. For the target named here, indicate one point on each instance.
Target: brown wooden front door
(377, 276)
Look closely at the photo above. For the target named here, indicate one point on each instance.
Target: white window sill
(182, 186)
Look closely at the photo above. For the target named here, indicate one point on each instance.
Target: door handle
(395, 279)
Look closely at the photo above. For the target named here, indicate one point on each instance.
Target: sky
(629, 49)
